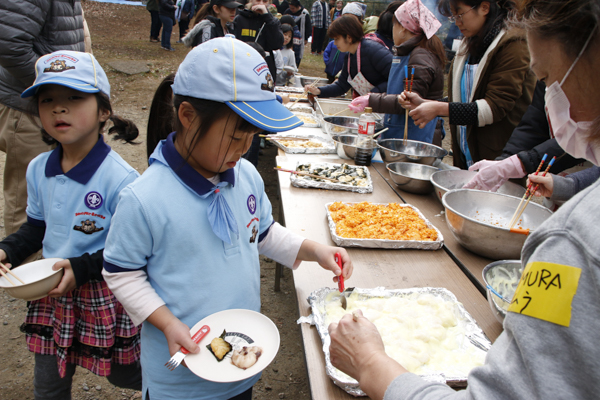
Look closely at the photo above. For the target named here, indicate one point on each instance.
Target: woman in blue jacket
(366, 67)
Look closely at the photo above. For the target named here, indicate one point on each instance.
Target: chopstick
(10, 272)
(338, 113)
(528, 189)
(531, 193)
(380, 132)
(305, 174)
(511, 223)
(412, 75)
(275, 137)
(314, 84)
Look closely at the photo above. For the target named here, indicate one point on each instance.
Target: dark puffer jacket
(249, 25)
(28, 30)
(375, 63)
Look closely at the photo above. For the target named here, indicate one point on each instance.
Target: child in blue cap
(185, 241)
(72, 194)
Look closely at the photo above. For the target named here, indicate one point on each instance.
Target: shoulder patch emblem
(251, 203)
(93, 200)
(88, 227)
(254, 234)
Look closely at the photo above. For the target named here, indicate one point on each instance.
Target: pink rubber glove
(359, 103)
(493, 174)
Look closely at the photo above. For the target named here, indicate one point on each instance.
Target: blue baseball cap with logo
(73, 69)
(227, 70)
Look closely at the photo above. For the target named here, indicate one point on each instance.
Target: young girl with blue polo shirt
(185, 241)
(72, 194)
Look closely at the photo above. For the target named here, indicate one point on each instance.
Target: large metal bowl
(478, 220)
(394, 150)
(411, 177)
(502, 271)
(456, 179)
(343, 125)
(346, 145)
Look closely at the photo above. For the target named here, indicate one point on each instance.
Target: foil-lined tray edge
(317, 301)
(311, 184)
(328, 145)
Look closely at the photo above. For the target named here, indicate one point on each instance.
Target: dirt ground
(121, 32)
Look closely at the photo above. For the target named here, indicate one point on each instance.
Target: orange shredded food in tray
(373, 221)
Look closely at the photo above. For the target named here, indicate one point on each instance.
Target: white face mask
(571, 136)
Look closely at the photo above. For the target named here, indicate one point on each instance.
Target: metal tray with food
(310, 120)
(300, 107)
(338, 107)
(351, 178)
(381, 226)
(296, 144)
(427, 330)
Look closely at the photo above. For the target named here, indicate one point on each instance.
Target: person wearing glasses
(490, 84)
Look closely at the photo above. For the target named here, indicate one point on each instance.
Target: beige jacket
(503, 90)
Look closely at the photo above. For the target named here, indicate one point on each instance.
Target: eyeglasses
(459, 17)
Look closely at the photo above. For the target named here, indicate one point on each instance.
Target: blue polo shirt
(161, 225)
(77, 207)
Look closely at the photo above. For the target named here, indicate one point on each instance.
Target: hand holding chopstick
(305, 174)
(5, 268)
(406, 88)
(306, 90)
(529, 193)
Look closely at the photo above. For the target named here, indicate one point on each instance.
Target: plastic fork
(338, 260)
(180, 355)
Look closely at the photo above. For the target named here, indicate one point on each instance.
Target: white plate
(248, 326)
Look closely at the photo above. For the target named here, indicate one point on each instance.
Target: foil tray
(328, 146)
(320, 297)
(312, 115)
(384, 243)
(311, 183)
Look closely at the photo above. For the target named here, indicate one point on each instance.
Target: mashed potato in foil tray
(421, 331)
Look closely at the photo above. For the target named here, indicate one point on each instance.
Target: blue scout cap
(73, 69)
(227, 70)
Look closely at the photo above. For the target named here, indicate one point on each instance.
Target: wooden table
(304, 213)
(470, 263)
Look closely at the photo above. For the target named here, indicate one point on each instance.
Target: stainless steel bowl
(411, 177)
(478, 220)
(343, 125)
(346, 145)
(507, 271)
(394, 150)
(307, 80)
(456, 179)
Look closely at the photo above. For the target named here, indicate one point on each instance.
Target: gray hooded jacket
(28, 30)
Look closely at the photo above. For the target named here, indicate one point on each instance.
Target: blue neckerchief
(219, 215)
(466, 88)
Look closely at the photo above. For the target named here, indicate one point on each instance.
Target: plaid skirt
(88, 327)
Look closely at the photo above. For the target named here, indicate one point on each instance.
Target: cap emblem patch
(270, 85)
(58, 66)
(260, 68)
